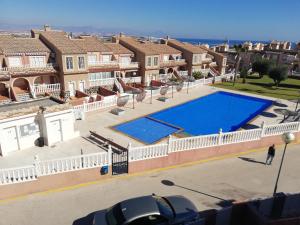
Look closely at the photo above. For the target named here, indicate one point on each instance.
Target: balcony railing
(103, 64)
(174, 62)
(131, 65)
(132, 79)
(27, 68)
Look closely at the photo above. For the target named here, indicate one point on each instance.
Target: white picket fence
(43, 88)
(95, 160)
(93, 106)
(18, 175)
(55, 166)
(204, 141)
(72, 163)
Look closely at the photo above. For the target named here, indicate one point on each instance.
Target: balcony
(28, 69)
(4, 75)
(174, 62)
(131, 65)
(101, 64)
(207, 60)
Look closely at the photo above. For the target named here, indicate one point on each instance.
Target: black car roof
(139, 207)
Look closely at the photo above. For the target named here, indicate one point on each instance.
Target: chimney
(47, 27)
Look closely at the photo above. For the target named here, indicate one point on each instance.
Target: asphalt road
(208, 185)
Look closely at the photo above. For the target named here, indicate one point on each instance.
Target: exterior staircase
(23, 97)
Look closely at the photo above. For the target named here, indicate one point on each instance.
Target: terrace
(29, 69)
(173, 62)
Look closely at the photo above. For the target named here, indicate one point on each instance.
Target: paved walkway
(102, 121)
(206, 184)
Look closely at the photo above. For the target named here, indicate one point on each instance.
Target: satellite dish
(122, 100)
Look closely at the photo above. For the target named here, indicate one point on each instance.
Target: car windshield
(114, 215)
(164, 207)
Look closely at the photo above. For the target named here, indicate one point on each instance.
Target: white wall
(26, 134)
(22, 132)
(66, 122)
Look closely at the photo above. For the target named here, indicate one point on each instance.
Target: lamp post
(287, 138)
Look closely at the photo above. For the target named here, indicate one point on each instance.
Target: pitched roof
(63, 44)
(149, 48)
(12, 45)
(118, 49)
(91, 44)
(187, 46)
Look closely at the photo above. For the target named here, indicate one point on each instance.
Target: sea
(214, 42)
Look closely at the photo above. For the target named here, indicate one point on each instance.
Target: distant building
(279, 45)
(248, 45)
(221, 48)
(258, 47)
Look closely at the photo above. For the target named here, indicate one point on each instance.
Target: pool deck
(102, 121)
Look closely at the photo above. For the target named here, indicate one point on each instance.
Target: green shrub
(198, 75)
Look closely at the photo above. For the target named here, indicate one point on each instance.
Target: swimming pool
(205, 115)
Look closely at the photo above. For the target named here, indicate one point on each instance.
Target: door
(119, 162)
(55, 131)
(72, 88)
(11, 139)
(81, 86)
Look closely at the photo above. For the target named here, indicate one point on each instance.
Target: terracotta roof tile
(91, 44)
(149, 48)
(118, 49)
(64, 44)
(12, 45)
(187, 46)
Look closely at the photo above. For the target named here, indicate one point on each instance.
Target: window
(166, 58)
(114, 215)
(14, 61)
(106, 58)
(99, 76)
(155, 61)
(195, 59)
(37, 61)
(149, 61)
(125, 60)
(81, 63)
(92, 59)
(69, 61)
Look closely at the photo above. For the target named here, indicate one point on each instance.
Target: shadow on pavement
(87, 220)
(171, 183)
(268, 114)
(249, 126)
(251, 160)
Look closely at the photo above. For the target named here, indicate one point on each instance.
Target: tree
(278, 73)
(244, 74)
(262, 67)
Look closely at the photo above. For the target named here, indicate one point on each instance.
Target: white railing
(17, 175)
(94, 160)
(102, 63)
(129, 65)
(102, 82)
(31, 67)
(132, 79)
(183, 73)
(43, 88)
(148, 152)
(189, 143)
(240, 136)
(72, 163)
(93, 106)
(277, 129)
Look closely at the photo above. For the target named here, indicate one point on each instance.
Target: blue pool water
(205, 115)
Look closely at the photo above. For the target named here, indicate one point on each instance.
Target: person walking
(271, 154)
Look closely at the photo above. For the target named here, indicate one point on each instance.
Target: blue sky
(232, 19)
